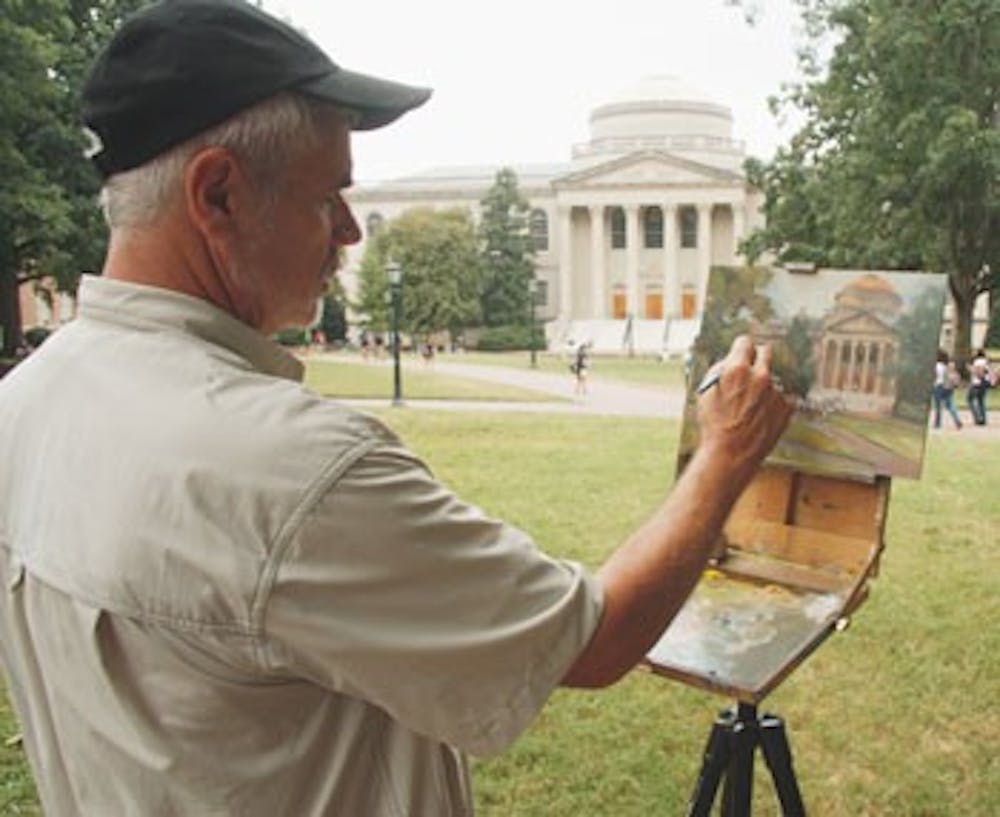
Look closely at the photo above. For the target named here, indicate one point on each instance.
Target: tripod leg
(778, 755)
(737, 795)
(715, 760)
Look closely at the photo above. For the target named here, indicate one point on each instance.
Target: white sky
(515, 81)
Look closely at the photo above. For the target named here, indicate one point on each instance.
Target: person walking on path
(581, 369)
(221, 593)
(946, 380)
(981, 378)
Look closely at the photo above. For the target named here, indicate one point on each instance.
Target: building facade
(626, 230)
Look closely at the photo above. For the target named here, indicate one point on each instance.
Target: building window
(689, 227)
(653, 227)
(541, 292)
(617, 228)
(373, 223)
(538, 224)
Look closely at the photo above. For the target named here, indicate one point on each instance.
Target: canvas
(854, 349)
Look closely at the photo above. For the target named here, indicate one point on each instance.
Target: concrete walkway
(606, 398)
(603, 397)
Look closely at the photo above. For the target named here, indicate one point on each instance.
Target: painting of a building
(854, 349)
(857, 347)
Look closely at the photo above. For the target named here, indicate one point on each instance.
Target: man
(222, 593)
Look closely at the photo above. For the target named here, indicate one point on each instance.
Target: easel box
(855, 349)
(793, 563)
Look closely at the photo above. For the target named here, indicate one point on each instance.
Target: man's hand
(744, 414)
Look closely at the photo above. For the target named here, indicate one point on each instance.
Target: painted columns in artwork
(598, 276)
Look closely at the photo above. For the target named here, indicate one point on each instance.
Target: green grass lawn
(346, 378)
(896, 717)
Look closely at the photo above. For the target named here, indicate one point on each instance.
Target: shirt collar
(139, 306)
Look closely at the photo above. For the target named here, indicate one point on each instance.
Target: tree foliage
(508, 253)
(49, 223)
(898, 163)
(439, 256)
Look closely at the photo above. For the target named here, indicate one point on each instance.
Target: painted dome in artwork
(662, 112)
(871, 293)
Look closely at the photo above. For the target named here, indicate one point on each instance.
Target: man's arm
(647, 580)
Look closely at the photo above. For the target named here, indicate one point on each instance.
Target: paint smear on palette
(742, 634)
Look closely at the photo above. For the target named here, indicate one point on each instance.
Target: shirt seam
(320, 486)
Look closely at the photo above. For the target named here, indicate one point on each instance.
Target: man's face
(293, 243)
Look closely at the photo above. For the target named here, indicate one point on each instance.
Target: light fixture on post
(394, 274)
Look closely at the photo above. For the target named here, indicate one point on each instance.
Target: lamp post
(394, 272)
(533, 298)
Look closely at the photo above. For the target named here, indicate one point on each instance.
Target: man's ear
(213, 190)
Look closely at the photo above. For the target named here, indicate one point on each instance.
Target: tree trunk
(964, 302)
(10, 314)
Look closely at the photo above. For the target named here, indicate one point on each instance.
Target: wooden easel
(794, 561)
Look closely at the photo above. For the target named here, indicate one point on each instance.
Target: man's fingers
(742, 351)
(764, 356)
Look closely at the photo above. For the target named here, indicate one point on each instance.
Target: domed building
(626, 230)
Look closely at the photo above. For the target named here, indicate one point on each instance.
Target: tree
(898, 164)
(508, 253)
(49, 223)
(438, 253)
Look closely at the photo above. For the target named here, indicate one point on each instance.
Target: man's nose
(346, 231)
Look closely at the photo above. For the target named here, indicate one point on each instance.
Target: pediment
(646, 168)
(857, 323)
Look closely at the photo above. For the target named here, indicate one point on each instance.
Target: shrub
(508, 338)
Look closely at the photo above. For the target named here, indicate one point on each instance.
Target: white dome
(662, 112)
(660, 106)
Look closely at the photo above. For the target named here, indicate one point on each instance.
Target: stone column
(671, 271)
(739, 227)
(598, 277)
(704, 252)
(632, 259)
(565, 264)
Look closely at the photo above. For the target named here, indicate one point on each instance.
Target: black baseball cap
(179, 67)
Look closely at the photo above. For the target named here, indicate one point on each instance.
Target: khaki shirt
(223, 594)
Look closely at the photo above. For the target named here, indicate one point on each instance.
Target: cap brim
(377, 102)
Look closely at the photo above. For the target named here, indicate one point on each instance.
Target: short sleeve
(395, 591)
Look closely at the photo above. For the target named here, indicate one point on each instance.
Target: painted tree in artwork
(915, 363)
(792, 363)
(735, 302)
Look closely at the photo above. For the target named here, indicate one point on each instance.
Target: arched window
(538, 225)
(689, 227)
(617, 228)
(373, 223)
(653, 227)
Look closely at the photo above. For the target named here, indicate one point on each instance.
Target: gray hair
(263, 136)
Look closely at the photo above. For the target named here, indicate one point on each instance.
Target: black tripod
(729, 752)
